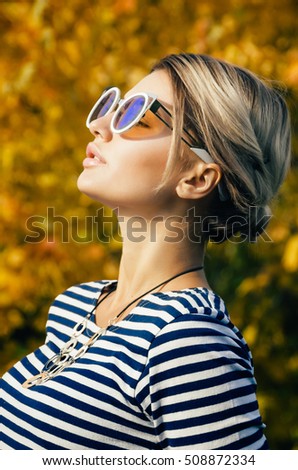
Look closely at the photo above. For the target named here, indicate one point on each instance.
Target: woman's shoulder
(197, 301)
(197, 311)
(83, 294)
(196, 316)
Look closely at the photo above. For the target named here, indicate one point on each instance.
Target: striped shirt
(175, 373)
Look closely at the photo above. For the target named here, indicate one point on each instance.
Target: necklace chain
(65, 358)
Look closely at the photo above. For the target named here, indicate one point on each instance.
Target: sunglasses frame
(153, 104)
(101, 98)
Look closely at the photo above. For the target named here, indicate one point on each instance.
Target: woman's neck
(154, 251)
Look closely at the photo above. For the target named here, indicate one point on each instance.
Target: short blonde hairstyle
(245, 126)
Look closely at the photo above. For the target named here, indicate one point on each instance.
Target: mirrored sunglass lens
(129, 112)
(104, 106)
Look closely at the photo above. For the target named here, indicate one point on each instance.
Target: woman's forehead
(159, 84)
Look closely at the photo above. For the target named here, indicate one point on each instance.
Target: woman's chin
(86, 187)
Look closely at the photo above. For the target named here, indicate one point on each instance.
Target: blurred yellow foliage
(290, 257)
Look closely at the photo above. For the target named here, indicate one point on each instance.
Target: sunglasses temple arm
(160, 118)
(160, 105)
(170, 127)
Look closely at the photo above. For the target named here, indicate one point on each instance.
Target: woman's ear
(199, 181)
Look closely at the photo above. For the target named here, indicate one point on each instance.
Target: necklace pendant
(36, 380)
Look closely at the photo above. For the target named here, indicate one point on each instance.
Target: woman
(152, 361)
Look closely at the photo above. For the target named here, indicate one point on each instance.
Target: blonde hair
(245, 127)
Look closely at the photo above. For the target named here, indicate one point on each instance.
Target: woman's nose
(101, 127)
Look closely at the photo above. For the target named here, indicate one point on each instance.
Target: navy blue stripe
(208, 400)
(68, 308)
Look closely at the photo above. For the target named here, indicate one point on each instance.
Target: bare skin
(130, 170)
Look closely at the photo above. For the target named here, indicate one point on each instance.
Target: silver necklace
(64, 358)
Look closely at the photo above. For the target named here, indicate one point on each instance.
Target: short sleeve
(198, 387)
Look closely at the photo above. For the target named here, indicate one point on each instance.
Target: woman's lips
(91, 162)
(93, 157)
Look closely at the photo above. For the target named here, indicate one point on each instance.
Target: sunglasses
(130, 111)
